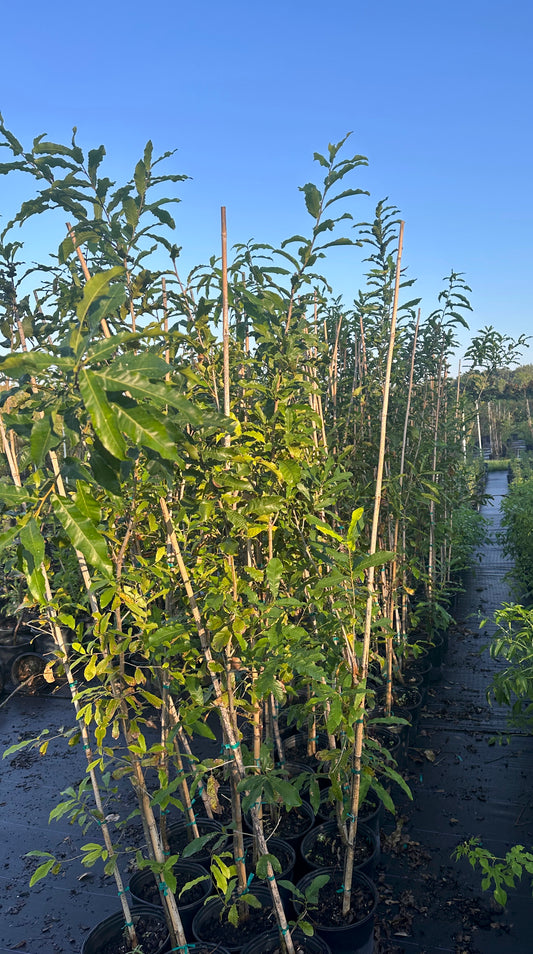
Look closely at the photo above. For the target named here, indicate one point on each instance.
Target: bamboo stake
(358, 746)
(402, 465)
(225, 319)
(228, 729)
(104, 325)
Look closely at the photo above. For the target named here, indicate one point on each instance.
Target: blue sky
(438, 96)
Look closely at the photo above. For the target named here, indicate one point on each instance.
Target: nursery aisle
(464, 784)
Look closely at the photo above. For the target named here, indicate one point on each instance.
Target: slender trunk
(359, 728)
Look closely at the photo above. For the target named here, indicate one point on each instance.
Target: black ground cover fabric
(464, 783)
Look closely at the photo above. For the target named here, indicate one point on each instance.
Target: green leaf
(139, 177)
(197, 845)
(27, 363)
(85, 501)
(274, 572)
(141, 387)
(312, 199)
(8, 537)
(263, 861)
(346, 194)
(42, 439)
(42, 871)
(105, 468)
(33, 542)
(95, 287)
(377, 559)
(287, 792)
(328, 532)
(102, 413)
(13, 496)
(83, 534)
(144, 429)
(354, 528)
(290, 472)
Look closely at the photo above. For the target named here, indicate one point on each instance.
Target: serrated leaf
(33, 542)
(290, 471)
(85, 501)
(13, 496)
(288, 793)
(95, 287)
(144, 429)
(102, 413)
(312, 199)
(139, 177)
(30, 362)
(83, 534)
(274, 572)
(142, 388)
(42, 439)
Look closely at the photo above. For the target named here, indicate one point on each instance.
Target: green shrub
(517, 521)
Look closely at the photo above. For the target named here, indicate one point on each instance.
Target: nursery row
(229, 500)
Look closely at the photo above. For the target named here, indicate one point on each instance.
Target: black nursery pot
(356, 937)
(28, 669)
(296, 748)
(369, 811)
(293, 824)
(208, 926)
(178, 839)
(269, 943)
(325, 840)
(145, 889)
(110, 932)
(286, 855)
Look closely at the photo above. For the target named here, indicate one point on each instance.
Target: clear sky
(438, 95)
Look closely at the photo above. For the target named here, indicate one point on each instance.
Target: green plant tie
(250, 879)
(86, 747)
(351, 817)
(166, 853)
(284, 931)
(163, 887)
(72, 685)
(193, 822)
(165, 811)
(120, 893)
(341, 889)
(128, 923)
(241, 859)
(356, 771)
(181, 947)
(234, 746)
(271, 877)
